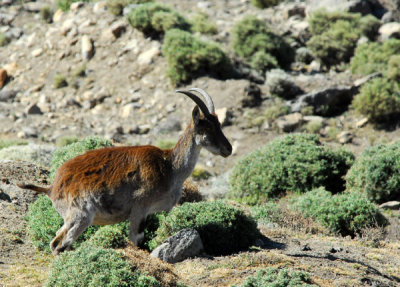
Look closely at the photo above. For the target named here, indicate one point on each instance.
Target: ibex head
(207, 126)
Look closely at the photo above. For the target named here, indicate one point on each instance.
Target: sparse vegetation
(200, 172)
(202, 23)
(376, 173)
(3, 39)
(96, 266)
(80, 71)
(64, 5)
(273, 276)
(259, 46)
(166, 144)
(345, 214)
(72, 150)
(66, 140)
(223, 228)
(60, 81)
(335, 35)
(11, 142)
(155, 19)
(189, 57)
(378, 100)
(374, 57)
(190, 192)
(277, 109)
(46, 14)
(297, 162)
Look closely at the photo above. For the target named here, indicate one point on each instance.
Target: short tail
(38, 189)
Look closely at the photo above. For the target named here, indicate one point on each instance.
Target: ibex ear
(196, 115)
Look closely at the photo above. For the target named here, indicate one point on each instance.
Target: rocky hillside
(87, 71)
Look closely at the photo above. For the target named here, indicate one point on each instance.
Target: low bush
(281, 84)
(273, 276)
(65, 4)
(111, 236)
(155, 19)
(202, 23)
(44, 221)
(277, 109)
(297, 162)
(96, 266)
(376, 173)
(188, 57)
(116, 7)
(72, 150)
(46, 14)
(373, 57)
(259, 46)
(345, 214)
(393, 71)
(265, 3)
(335, 34)
(223, 228)
(378, 100)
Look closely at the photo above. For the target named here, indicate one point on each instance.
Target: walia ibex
(113, 184)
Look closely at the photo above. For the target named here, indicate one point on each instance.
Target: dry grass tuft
(160, 270)
(190, 192)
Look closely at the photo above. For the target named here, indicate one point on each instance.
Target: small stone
(37, 52)
(224, 116)
(344, 137)
(87, 48)
(11, 68)
(147, 57)
(100, 7)
(3, 77)
(118, 28)
(252, 96)
(390, 30)
(306, 248)
(315, 66)
(335, 249)
(129, 110)
(33, 110)
(7, 95)
(361, 123)
(393, 205)
(289, 123)
(184, 244)
(57, 16)
(75, 6)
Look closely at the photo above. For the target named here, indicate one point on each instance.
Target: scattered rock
(393, 205)
(354, 6)
(281, 84)
(295, 9)
(147, 57)
(170, 124)
(389, 30)
(118, 28)
(184, 244)
(7, 95)
(38, 154)
(335, 249)
(359, 82)
(345, 137)
(327, 102)
(6, 19)
(3, 77)
(306, 248)
(289, 123)
(87, 48)
(75, 6)
(224, 116)
(129, 110)
(252, 96)
(37, 52)
(58, 15)
(361, 123)
(33, 109)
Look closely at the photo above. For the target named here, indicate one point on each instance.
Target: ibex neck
(185, 154)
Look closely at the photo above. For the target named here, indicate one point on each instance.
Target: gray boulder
(184, 244)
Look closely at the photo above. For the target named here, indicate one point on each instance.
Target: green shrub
(346, 213)
(46, 14)
(393, 72)
(72, 150)
(202, 23)
(335, 35)
(200, 172)
(253, 39)
(111, 236)
(95, 266)
(116, 7)
(277, 109)
(3, 39)
(65, 4)
(274, 277)
(155, 19)
(296, 162)
(373, 57)
(66, 140)
(189, 57)
(223, 228)
(378, 100)
(265, 3)
(60, 81)
(376, 173)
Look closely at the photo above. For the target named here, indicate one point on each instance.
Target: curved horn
(209, 101)
(197, 100)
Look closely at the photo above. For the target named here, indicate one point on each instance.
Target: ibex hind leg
(137, 224)
(75, 223)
